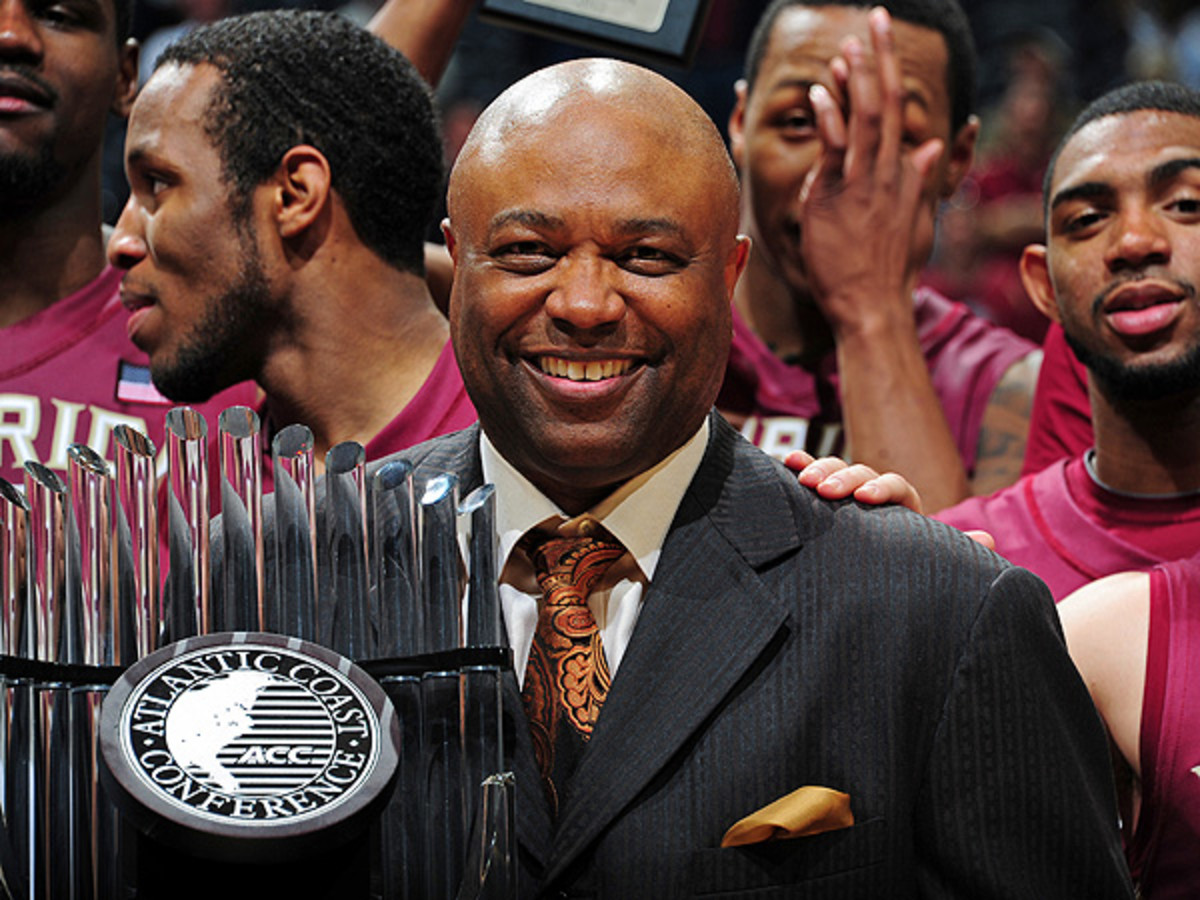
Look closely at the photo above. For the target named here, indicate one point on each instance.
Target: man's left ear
(127, 79)
(962, 155)
(736, 264)
(303, 185)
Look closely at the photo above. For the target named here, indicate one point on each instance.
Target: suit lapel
(706, 618)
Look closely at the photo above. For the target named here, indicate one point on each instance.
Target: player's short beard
(1123, 383)
(26, 179)
(213, 355)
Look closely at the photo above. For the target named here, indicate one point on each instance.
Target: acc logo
(252, 732)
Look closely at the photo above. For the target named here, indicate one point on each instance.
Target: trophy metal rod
(292, 606)
(441, 565)
(106, 628)
(14, 551)
(477, 518)
(395, 558)
(187, 508)
(491, 867)
(482, 685)
(241, 519)
(137, 517)
(346, 551)
(403, 822)
(57, 640)
(441, 730)
(17, 729)
(47, 496)
(402, 855)
(91, 506)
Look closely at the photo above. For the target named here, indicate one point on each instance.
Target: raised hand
(866, 201)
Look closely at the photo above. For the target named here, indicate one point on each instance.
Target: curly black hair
(291, 77)
(943, 16)
(1163, 96)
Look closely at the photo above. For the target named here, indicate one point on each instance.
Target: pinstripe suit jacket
(786, 640)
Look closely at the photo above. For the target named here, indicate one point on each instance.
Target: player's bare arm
(860, 210)
(423, 30)
(1005, 427)
(1107, 626)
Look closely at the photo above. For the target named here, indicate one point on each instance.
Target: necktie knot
(567, 568)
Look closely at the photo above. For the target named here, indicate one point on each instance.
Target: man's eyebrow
(135, 155)
(529, 217)
(629, 228)
(789, 84)
(544, 221)
(915, 96)
(1170, 170)
(910, 95)
(1089, 190)
(1157, 177)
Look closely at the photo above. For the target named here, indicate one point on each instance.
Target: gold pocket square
(807, 810)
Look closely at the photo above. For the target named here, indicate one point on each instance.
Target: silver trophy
(395, 573)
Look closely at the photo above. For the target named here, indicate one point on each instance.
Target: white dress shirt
(638, 514)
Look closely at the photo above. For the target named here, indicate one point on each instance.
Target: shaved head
(596, 94)
(593, 225)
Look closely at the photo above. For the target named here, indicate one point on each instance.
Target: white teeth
(583, 371)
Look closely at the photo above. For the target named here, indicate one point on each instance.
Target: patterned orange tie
(567, 677)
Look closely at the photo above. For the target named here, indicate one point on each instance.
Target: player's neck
(354, 366)
(50, 252)
(1148, 446)
(785, 319)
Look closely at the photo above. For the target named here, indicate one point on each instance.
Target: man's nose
(586, 297)
(1141, 240)
(127, 246)
(20, 39)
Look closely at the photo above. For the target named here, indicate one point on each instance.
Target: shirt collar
(638, 514)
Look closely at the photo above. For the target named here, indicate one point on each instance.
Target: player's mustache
(24, 77)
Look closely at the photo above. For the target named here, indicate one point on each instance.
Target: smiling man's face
(595, 258)
(1122, 263)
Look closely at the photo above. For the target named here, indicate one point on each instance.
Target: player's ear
(961, 155)
(1035, 275)
(736, 263)
(737, 123)
(302, 185)
(127, 79)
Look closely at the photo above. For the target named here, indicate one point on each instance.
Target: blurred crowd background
(1040, 60)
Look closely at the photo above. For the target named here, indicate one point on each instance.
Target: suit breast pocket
(842, 863)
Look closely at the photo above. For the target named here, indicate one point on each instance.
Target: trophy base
(166, 873)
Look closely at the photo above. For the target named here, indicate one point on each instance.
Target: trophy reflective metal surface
(396, 576)
(241, 520)
(18, 741)
(292, 605)
(188, 574)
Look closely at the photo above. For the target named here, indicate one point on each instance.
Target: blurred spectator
(1164, 40)
(998, 210)
(193, 14)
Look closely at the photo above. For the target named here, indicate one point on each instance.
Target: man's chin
(26, 178)
(182, 387)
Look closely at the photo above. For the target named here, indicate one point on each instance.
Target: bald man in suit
(755, 640)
